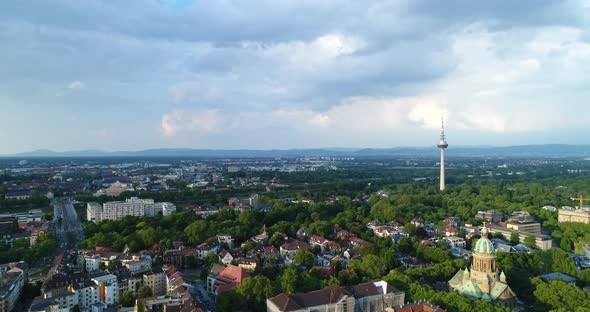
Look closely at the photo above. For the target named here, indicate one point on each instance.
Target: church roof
(484, 245)
(497, 289)
(471, 288)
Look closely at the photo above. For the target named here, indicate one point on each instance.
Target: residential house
(137, 263)
(226, 257)
(179, 257)
(248, 264)
(229, 278)
(204, 249)
(453, 221)
(225, 238)
(450, 231)
(292, 247)
(456, 242)
(317, 240)
(216, 269)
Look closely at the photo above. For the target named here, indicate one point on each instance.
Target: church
(483, 281)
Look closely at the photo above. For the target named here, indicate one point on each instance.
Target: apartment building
(131, 207)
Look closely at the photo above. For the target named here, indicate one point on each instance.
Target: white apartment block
(92, 263)
(11, 283)
(108, 288)
(137, 263)
(131, 207)
(156, 280)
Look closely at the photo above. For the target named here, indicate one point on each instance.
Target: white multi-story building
(65, 299)
(108, 288)
(84, 294)
(156, 280)
(88, 293)
(137, 263)
(131, 207)
(92, 263)
(11, 285)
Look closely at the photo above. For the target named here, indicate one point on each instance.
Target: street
(68, 227)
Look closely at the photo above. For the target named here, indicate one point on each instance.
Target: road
(68, 230)
(197, 289)
(68, 227)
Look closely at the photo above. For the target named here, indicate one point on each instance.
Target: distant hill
(542, 151)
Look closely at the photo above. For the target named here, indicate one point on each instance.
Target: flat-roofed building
(131, 207)
(542, 241)
(156, 280)
(577, 215)
(530, 227)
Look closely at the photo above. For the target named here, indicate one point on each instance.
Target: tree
(372, 266)
(197, 232)
(304, 258)
(255, 290)
(289, 280)
(231, 301)
(127, 299)
(410, 229)
(114, 265)
(530, 241)
(584, 276)
(514, 238)
(499, 235)
(102, 266)
(144, 291)
(560, 295)
(211, 259)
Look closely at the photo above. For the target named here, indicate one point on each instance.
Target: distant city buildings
(131, 207)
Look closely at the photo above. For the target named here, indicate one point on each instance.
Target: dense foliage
(380, 259)
(20, 249)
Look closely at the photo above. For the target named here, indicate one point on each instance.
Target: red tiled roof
(270, 249)
(234, 273)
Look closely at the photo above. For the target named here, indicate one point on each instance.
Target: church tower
(483, 281)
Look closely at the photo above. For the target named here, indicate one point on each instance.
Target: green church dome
(484, 245)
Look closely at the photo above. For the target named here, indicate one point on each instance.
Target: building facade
(571, 215)
(156, 280)
(131, 207)
(11, 285)
(373, 296)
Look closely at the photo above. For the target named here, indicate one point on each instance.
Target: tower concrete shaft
(442, 145)
(442, 169)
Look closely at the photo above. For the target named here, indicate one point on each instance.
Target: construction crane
(581, 199)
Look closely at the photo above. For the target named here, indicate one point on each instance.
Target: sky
(132, 75)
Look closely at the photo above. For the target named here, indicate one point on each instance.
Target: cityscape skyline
(246, 76)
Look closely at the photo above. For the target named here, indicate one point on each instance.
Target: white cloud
(312, 55)
(76, 85)
(178, 121)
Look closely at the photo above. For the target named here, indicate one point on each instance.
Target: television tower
(442, 145)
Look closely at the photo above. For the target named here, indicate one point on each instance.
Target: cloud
(202, 122)
(340, 70)
(76, 85)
